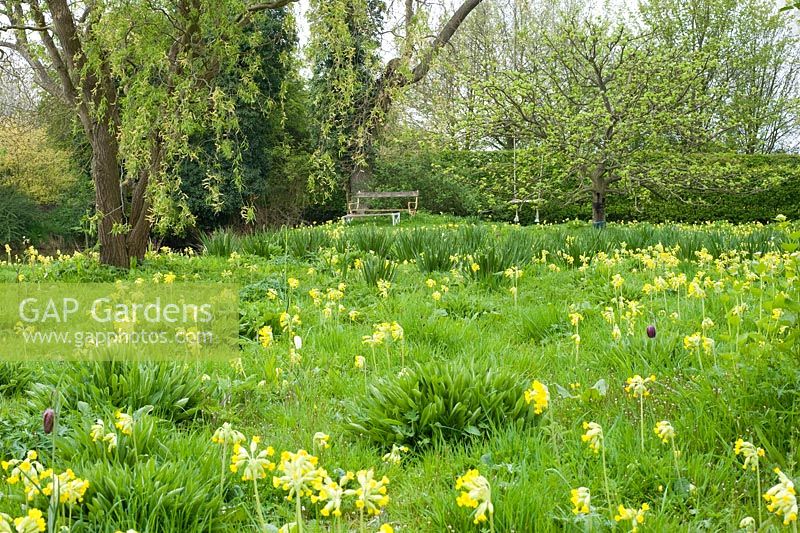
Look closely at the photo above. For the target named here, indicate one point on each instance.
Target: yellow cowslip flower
(70, 489)
(513, 273)
(476, 492)
(539, 395)
(124, 422)
(664, 431)
(576, 339)
(353, 315)
(748, 524)
(8, 249)
(98, 430)
(265, 336)
(396, 331)
(695, 290)
(358, 263)
(777, 313)
(575, 318)
(30, 523)
(5, 520)
(331, 492)
(708, 345)
(225, 434)
(593, 436)
(359, 361)
(287, 321)
(436, 295)
(636, 516)
(581, 500)
(315, 295)
(376, 339)
(293, 283)
(475, 267)
(385, 528)
(616, 333)
(253, 463)
(707, 324)
(170, 278)
(111, 439)
(383, 288)
(395, 456)
(20, 277)
(749, 451)
(637, 385)
(781, 498)
(371, 494)
(321, 440)
(617, 281)
(300, 474)
(431, 283)
(692, 342)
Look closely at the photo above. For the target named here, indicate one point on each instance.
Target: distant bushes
(701, 187)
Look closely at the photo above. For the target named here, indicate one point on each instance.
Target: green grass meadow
(424, 338)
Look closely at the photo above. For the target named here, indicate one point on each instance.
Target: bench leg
(395, 218)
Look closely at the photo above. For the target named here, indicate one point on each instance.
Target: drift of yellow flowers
(539, 395)
(581, 500)
(69, 488)
(593, 436)
(750, 452)
(476, 493)
(636, 516)
(781, 498)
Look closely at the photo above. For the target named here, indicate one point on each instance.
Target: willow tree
(142, 78)
(354, 88)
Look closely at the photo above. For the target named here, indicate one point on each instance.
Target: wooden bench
(360, 208)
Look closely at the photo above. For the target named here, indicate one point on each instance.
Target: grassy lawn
(425, 338)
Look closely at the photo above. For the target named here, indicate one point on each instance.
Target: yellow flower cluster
(637, 385)
(782, 499)
(581, 500)
(539, 395)
(750, 452)
(593, 436)
(476, 493)
(252, 462)
(636, 516)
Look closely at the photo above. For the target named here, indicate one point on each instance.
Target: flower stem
(758, 495)
(299, 513)
(605, 482)
(258, 505)
(491, 522)
(222, 468)
(641, 419)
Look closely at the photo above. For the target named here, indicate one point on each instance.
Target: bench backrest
(387, 194)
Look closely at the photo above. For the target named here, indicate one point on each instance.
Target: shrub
(17, 216)
(440, 402)
(370, 239)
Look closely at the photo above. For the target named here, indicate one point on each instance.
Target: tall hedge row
(688, 188)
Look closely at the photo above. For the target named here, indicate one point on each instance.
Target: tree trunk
(108, 198)
(359, 178)
(599, 207)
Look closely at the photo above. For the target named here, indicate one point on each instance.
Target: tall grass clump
(441, 401)
(375, 268)
(220, 243)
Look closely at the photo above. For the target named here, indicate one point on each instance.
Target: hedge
(700, 187)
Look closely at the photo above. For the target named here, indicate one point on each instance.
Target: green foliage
(734, 187)
(375, 268)
(440, 402)
(220, 243)
(370, 239)
(152, 495)
(15, 377)
(263, 244)
(17, 216)
(175, 391)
